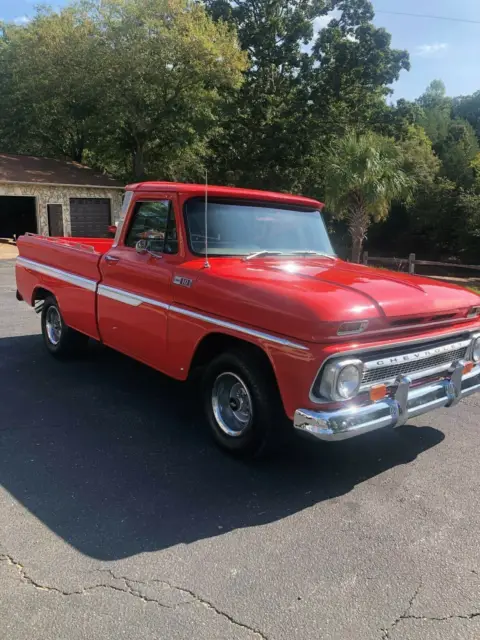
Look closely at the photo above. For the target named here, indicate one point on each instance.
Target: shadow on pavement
(113, 458)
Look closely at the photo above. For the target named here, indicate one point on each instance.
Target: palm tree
(363, 176)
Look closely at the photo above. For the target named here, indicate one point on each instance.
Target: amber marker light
(468, 367)
(378, 392)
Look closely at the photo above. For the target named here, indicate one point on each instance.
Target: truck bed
(76, 255)
(67, 267)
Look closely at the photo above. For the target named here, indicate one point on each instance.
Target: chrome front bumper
(394, 410)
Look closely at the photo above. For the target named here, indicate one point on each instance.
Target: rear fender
(77, 304)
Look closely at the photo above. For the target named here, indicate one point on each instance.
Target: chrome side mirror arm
(141, 247)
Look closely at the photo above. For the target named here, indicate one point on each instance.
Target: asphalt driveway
(119, 518)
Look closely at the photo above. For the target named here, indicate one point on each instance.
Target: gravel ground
(119, 519)
(8, 251)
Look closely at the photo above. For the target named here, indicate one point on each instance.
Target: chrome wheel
(232, 404)
(53, 325)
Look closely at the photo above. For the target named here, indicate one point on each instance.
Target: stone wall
(61, 195)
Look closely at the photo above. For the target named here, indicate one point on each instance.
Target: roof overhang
(56, 184)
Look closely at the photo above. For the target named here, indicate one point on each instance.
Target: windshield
(241, 229)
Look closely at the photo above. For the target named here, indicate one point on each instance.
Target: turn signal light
(351, 328)
(378, 392)
(468, 367)
(473, 312)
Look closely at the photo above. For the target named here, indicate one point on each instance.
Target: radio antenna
(206, 264)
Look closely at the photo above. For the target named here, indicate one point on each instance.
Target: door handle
(111, 259)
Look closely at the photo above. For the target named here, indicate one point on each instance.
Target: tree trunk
(357, 243)
(139, 163)
(77, 155)
(358, 225)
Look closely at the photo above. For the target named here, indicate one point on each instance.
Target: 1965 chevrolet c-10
(256, 300)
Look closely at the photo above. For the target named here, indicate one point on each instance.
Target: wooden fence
(410, 263)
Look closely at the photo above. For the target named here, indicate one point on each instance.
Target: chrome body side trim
(239, 328)
(394, 410)
(132, 299)
(59, 274)
(135, 300)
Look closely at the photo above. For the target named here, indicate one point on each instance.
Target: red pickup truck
(247, 291)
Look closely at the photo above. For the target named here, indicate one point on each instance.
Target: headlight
(476, 350)
(341, 380)
(348, 382)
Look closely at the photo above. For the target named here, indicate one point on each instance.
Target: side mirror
(141, 247)
(111, 230)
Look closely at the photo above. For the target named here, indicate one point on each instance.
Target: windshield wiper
(258, 254)
(307, 252)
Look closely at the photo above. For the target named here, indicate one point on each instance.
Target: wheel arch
(214, 343)
(39, 295)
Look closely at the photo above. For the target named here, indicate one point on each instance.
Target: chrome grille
(426, 364)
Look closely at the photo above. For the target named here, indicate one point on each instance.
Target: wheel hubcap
(232, 404)
(53, 325)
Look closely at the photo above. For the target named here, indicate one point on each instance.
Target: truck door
(135, 290)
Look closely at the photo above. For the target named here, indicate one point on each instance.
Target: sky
(446, 49)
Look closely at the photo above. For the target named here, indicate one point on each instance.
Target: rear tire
(61, 341)
(242, 403)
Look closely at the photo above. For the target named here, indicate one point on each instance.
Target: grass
(475, 290)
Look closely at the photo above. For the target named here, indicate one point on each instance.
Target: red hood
(314, 291)
(396, 295)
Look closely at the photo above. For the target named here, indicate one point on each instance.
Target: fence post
(411, 263)
(365, 257)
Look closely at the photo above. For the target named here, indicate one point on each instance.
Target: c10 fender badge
(183, 282)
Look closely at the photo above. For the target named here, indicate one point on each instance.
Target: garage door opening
(90, 217)
(17, 216)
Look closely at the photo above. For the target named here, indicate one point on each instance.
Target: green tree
(475, 166)
(166, 65)
(468, 211)
(300, 90)
(48, 90)
(131, 85)
(419, 160)
(437, 112)
(457, 151)
(468, 108)
(363, 176)
(432, 221)
(395, 121)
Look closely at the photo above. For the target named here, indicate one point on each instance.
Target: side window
(154, 222)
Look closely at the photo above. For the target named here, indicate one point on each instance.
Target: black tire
(267, 415)
(67, 342)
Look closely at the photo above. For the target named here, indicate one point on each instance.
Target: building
(55, 197)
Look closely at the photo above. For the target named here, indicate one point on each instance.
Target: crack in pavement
(402, 616)
(406, 615)
(195, 598)
(129, 589)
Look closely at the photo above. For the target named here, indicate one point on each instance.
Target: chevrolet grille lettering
(417, 355)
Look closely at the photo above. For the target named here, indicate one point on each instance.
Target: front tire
(241, 402)
(60, 340)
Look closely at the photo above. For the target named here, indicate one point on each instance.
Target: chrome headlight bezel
(328, 387)
(475, 348)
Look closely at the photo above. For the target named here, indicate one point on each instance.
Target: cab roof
(224, 192)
